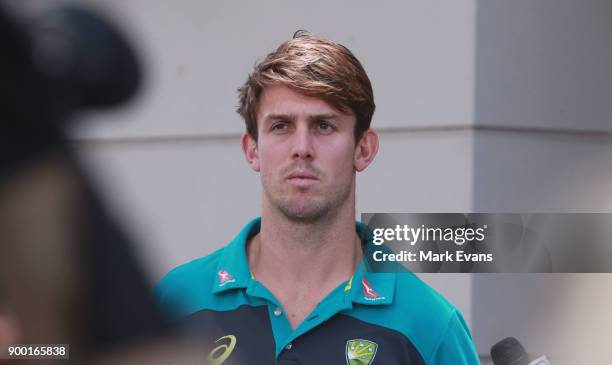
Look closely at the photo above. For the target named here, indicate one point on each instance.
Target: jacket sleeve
(456, 346)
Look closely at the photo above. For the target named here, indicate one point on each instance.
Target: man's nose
(302, 144)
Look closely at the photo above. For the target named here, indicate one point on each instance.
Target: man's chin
(305, 213)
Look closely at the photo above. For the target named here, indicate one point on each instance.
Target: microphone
(509, 351)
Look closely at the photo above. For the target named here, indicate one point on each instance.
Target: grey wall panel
(541, 172)
(544, 64)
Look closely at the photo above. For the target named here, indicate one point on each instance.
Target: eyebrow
(323, 116)
(311, 118)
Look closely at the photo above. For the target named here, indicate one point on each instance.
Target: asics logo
(219, 354)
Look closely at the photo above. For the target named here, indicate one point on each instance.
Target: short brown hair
(312, 66)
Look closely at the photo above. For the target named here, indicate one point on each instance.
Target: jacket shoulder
(428, 320)
(432, 323)
(188, 287)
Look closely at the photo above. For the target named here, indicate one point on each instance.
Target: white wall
(418, 54)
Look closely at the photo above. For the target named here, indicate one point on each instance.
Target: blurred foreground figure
(67, 275)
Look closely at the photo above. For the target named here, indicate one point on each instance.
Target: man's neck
(302, 262)
(315, 250)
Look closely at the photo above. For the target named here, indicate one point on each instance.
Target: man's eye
(325, 127)
(279, 126)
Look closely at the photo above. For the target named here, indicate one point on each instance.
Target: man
(291, 288)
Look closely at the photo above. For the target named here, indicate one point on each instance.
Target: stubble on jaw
(308, 211)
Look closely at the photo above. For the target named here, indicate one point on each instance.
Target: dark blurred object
(85, 61)
(68, 61)
(67, 273)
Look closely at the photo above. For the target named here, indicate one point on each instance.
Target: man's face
(305, 154)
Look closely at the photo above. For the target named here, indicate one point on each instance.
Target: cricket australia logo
(360, 352)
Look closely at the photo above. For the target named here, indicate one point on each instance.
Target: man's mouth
(302, 179)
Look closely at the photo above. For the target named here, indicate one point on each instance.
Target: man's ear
(366, 149)
(249, 147)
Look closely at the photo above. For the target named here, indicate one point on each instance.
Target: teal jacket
(373, 318)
